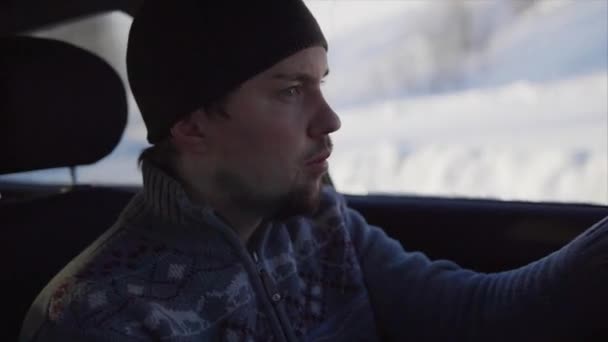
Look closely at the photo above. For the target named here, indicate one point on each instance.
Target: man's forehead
(308, 63)
(299, 76)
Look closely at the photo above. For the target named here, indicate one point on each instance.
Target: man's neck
(243, 222)
(243, 226)
(203, 189)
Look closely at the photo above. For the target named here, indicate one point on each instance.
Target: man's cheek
(276, 144)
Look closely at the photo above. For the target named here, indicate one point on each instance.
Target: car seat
(60, 106)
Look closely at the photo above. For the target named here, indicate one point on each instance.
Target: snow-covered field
(519, 141)
(497, 99)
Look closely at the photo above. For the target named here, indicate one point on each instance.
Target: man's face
(270, 155)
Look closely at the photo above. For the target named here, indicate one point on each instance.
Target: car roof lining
(18, 16)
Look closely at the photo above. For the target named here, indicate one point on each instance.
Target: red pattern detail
(58, 299)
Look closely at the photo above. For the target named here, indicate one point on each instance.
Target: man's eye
(292, 91)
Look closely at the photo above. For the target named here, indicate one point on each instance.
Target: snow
(498, 99)
(557, 154)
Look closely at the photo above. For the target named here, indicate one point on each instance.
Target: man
(234, 236)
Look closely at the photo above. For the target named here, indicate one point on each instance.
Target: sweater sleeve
(560, 297)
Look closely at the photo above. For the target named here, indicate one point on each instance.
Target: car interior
(63, 107)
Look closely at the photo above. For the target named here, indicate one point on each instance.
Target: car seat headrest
(60, 105)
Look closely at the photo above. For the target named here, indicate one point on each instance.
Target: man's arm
(560, 297)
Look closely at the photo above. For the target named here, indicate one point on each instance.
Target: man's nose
(325, 121)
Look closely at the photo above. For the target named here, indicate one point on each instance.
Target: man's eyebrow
(298, 76)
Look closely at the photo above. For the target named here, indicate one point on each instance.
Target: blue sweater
(171, 271)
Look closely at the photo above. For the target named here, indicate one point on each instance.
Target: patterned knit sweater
(172, 271)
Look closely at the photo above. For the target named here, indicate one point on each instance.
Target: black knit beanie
(184, 54)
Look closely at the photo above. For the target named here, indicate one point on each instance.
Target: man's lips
(319, 158)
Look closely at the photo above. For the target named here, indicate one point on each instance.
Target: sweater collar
(166, 197)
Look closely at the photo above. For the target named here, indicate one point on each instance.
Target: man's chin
(300, 201)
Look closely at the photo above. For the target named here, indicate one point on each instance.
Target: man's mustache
(325, 146)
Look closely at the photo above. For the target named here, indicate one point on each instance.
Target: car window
(485, 99)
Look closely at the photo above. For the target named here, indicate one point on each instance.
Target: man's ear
(188, 133)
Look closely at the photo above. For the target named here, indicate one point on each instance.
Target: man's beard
(300, 199)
